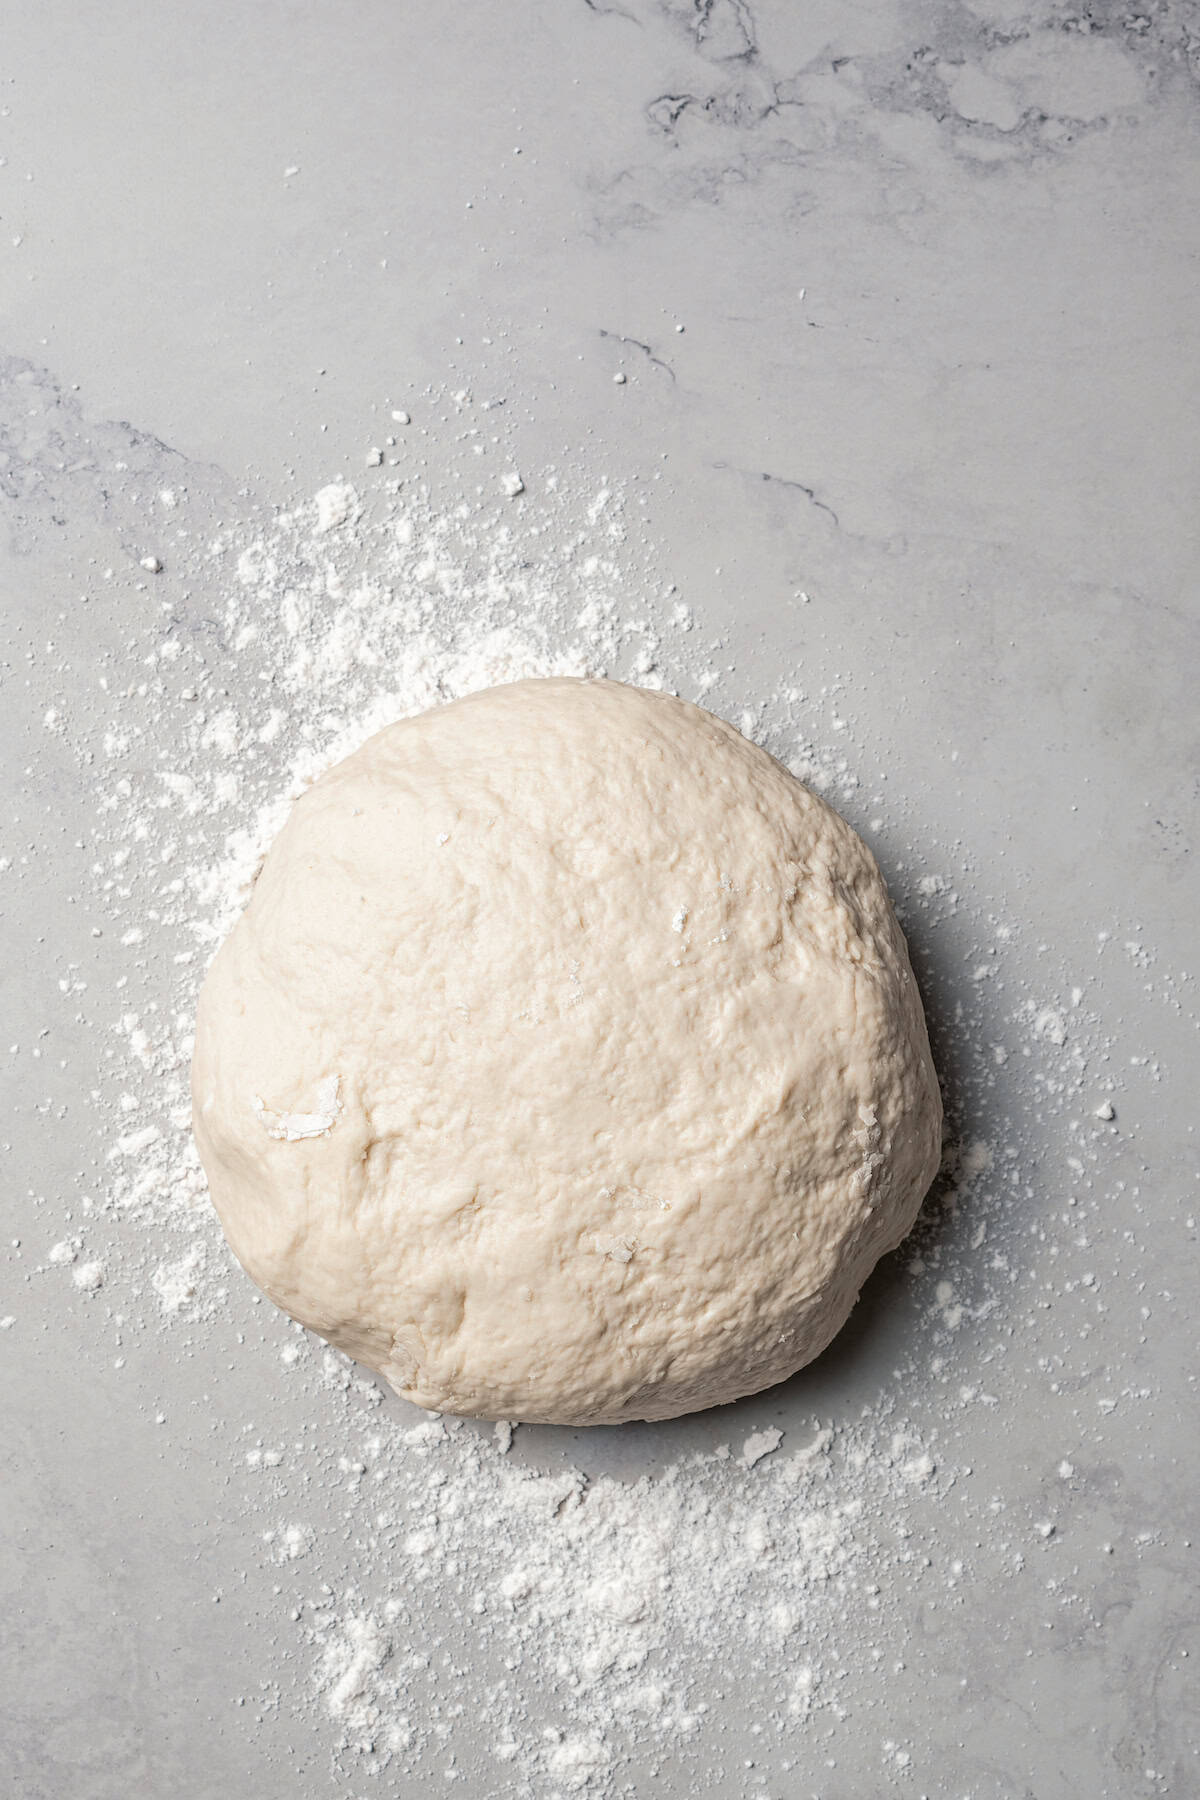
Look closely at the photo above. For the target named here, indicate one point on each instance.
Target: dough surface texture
(566, 1063)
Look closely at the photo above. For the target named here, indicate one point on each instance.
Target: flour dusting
(292, 1127)
(535, 1611)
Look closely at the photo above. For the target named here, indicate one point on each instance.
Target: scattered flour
(573, 1596)
(175, 1283)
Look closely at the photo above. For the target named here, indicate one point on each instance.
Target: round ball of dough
(566, 1063)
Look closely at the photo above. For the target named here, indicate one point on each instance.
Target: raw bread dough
(567, 1063)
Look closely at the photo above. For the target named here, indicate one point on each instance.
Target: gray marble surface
(904, 298)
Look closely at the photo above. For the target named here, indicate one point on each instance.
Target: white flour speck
(760, 1444)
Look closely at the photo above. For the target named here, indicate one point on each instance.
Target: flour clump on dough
(566, 1063)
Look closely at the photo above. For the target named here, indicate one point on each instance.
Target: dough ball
(566, 1063)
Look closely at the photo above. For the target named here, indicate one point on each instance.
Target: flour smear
(522, 1610)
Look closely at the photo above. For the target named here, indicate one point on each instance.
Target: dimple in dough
(567, 1063)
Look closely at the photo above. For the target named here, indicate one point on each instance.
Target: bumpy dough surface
(567, 1063)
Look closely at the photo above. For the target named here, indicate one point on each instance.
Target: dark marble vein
(647, 351)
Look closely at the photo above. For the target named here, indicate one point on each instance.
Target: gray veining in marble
(935, 266)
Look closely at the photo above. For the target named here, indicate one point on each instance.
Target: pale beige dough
(567, 1063)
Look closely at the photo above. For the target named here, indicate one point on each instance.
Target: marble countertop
(884, 319)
